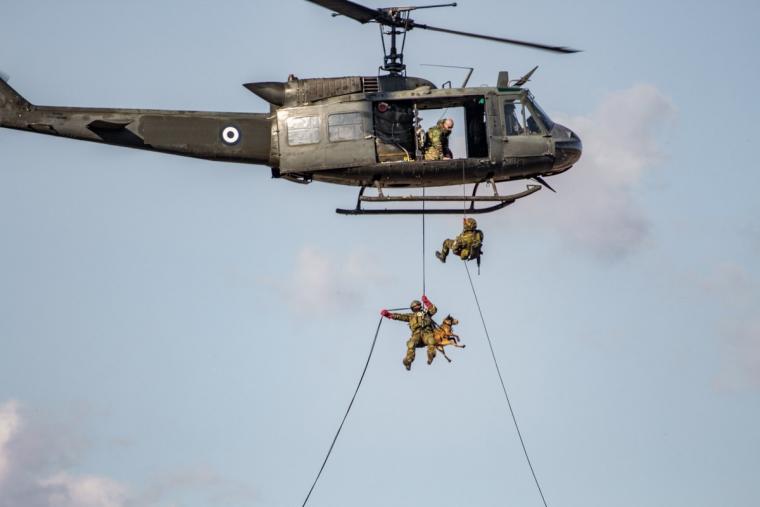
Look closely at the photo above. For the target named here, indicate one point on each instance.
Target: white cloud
(29, 456)
(36, 459)
(201, 482)
(9, 423)
(596, 208)
(64, 490)
(323, 283)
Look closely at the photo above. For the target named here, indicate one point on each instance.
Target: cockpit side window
(513, 118)
(548, 123)
(519, 119)
(530, 121)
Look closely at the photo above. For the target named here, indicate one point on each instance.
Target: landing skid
(502, 200)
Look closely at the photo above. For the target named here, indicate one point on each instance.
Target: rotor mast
(393, 59)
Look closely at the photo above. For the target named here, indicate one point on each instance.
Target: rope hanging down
(503, 387)
(423, 242)
(337, 433)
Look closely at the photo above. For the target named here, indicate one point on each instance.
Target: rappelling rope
(329, 451)
(503, 386)
(423, 241)
(464, 192)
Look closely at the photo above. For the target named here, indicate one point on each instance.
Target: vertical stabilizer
(10, 101)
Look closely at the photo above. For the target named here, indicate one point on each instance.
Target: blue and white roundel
(230, 135)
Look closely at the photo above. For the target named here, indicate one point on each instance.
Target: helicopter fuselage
(368, 139)
(350, 131)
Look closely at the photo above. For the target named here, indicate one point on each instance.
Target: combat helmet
(470, 224)
(415, 304)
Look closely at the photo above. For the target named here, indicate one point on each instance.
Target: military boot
(440, 256)
(408, 359)
(430, 354)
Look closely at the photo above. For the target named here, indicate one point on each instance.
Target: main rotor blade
(353, 10)
(556, 49)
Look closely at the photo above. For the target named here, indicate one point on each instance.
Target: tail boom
(237, 137)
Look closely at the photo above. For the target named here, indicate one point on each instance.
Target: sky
(179, 332)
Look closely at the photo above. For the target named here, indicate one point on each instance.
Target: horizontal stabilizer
(115, 132)
(108, 124)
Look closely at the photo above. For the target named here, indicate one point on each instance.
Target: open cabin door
(331, 136)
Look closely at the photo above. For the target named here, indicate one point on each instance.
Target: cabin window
(345, 127)
(303, 130)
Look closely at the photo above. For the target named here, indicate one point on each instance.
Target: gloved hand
(385, 313)
(426, 301)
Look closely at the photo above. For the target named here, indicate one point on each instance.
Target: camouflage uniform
(467, 245)
(421, 324)
(437, 145)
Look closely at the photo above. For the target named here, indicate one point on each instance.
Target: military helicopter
(359, 131)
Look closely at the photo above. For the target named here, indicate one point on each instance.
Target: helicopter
(362, 131)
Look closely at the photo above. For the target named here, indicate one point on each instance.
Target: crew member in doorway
(437, 143)
(421, 324)
(467, 245)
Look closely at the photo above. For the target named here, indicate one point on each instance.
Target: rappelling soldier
(421, 323)
(467, 245)
(437, 142)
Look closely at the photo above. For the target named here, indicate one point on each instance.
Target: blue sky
(182, 332)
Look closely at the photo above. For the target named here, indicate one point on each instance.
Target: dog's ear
(448, 317)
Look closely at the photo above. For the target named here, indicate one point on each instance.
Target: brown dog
(444, 336)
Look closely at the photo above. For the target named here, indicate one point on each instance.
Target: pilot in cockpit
(512, 122)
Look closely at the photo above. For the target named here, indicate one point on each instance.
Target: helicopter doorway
(398, 140)
(469, 138)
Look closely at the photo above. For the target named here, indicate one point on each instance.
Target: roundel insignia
(230, 135)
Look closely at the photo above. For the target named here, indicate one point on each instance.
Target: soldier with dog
(421, 324)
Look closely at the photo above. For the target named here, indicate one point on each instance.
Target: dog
(444, 336)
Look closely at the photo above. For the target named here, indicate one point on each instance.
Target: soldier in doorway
(437, 143)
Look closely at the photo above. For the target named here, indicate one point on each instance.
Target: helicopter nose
(567, 148)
